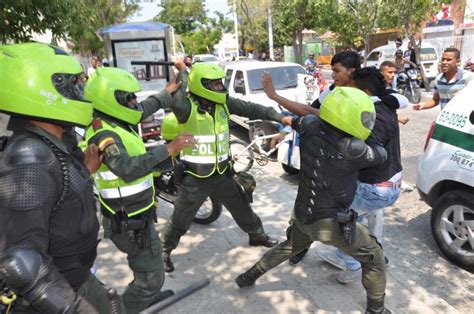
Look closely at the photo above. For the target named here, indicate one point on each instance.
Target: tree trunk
(298, 44)
(366, 50)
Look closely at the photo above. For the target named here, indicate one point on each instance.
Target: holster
(347, 222)
(179, 173)
(7, 299)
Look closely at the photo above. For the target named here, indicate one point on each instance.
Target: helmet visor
(126, 99)
(68, 85)
(217, 85)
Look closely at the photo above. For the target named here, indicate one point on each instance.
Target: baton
(176, 297)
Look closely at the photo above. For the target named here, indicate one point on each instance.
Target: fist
(180, 142)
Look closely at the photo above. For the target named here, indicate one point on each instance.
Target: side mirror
(239, 89)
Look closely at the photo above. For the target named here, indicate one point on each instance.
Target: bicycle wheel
(241, 157)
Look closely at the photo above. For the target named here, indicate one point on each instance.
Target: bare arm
(292, 106)
(428, 104)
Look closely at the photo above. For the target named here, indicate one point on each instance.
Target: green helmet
(199, 82)
(110, 90)
(350, 110)
(39, 82)
(169, 127)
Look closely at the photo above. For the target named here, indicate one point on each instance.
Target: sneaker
(405, 187)
(329, 256)
(349, 276)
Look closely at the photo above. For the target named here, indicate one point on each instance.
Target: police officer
(48, 221)
(332, 152)
(205, 113)
(125, 179)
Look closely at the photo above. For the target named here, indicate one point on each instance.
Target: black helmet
(399, 52)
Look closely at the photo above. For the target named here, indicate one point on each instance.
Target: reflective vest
(211, 152)
(115, 194)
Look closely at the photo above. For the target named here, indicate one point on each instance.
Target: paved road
(419, 279)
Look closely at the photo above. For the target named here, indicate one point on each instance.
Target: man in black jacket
(48, 220)
(333, 152)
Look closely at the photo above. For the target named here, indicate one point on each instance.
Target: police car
(445, 178)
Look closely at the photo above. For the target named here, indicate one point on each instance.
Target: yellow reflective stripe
(126, 190)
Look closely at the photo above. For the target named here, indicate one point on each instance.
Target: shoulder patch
(106, 142)
(96, 124)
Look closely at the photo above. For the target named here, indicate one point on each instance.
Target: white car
(205, 58)
(445, 178)
(244, 81)
(428, 57)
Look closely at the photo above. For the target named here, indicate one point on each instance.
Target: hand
(403, 119)
(287, 120)
(92, 158)
(267, 84)
(179, 64)
(180, 142)
(418, 106)
(172, 85)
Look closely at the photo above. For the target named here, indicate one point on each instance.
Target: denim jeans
(369, 203)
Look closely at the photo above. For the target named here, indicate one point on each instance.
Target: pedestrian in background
(451, 80)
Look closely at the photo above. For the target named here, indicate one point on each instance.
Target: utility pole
(236, 29)
(270, 30)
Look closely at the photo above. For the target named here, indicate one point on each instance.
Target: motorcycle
(408, 83)
(318, 76)
(166, 185)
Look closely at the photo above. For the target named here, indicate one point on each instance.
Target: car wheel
(209, 212)
(452, 224)
(290, 170)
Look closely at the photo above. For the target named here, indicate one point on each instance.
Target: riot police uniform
(48, 222)
(125, 179)
(331, 158)
(205, 113)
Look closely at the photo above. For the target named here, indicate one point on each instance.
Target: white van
(445, 178)
(428, 57)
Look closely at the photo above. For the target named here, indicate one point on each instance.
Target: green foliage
(181, 14)
(96, 14)
(21, 18)
(290, 18)
(205, 35)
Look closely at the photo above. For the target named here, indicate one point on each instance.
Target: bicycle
(244, 155)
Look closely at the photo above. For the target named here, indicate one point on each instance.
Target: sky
(149, 9)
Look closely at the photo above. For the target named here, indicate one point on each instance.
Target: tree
(412, 14)
(96, 14)
(22, 18)
(365, 14)
(252, 19)
(206, 34)
(181, 14)
(292, 17)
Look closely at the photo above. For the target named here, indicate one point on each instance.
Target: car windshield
(282, 77)
(427, 54)
(208, 58)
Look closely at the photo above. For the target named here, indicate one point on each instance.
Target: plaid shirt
(447, 90)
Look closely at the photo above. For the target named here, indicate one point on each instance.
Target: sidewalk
(419, 280)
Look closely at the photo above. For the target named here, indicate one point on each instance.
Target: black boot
(376, 307)
(298, 257)
(248, 278)
(169, 266)
(262, 240)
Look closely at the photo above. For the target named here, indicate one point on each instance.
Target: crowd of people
(350, 171)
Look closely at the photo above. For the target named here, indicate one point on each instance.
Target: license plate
(427, 65)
